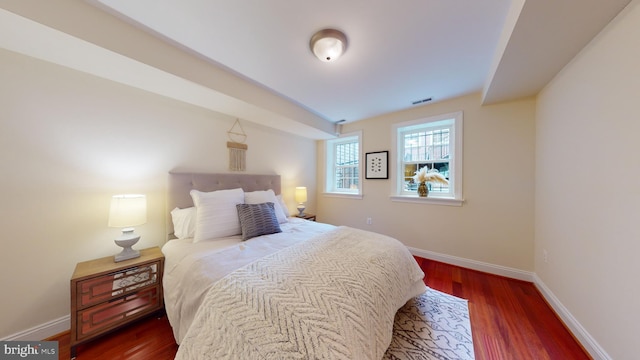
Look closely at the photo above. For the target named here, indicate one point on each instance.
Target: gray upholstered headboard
(180, 184)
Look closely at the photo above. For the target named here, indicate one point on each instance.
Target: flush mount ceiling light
(328, 44)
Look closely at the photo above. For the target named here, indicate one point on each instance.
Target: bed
(257, 284)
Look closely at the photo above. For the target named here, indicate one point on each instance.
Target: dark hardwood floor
(509, 320)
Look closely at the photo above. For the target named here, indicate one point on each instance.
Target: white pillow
(259, 197)
(284, 207)
(216, 214)
(184, 222)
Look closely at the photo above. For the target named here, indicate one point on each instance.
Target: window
(434, 143)
(343, 165)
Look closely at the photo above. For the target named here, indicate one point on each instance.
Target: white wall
(588, 187)
(68, 141)
(495, 224)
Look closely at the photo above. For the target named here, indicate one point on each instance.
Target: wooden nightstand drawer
(100, 289)
(107, 315)
(106, 295)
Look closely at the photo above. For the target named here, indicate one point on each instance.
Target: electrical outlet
(369, 222)
(545, 255)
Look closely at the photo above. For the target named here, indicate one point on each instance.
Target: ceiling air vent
(421, 101)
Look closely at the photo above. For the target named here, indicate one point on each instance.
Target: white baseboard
(588, 342)
(42, 331)
(474, 265)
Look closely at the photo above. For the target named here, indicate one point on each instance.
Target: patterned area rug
(433, 325)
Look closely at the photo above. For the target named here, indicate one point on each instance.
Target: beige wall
(494, 225)
(68, 141)
(587, 186)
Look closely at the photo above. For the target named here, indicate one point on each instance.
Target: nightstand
(106, 295)
(307, 216)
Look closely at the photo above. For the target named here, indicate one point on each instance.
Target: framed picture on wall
(377, 165)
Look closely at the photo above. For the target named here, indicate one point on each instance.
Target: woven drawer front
(106, 287)
(110, 314)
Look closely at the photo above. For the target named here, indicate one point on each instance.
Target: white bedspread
(331, 297)
(191, 268)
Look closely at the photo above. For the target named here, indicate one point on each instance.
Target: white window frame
(330, 166)
(454, 121)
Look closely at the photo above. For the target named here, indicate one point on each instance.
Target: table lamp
(301, 198)
(127, 211)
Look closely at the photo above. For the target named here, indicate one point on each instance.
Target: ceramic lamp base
(126, 241)
(126, 254)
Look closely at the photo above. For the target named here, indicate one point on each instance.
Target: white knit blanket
(332, 297)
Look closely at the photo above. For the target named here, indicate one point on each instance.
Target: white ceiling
(399, 51)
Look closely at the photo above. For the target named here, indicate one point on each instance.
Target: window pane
(347, 178)
(443, 169)
(432, 143)
(347, 165)
(426, 145)
(411, 169)
(347, 154)
(409, 172)
(342, 164)
(428, 148)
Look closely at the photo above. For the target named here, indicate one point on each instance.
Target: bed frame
(180, 184)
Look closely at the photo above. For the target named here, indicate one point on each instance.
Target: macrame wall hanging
(237, 147)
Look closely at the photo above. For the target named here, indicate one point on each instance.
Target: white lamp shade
(128, 210)
(301, 194)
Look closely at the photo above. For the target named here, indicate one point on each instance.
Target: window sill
(427, 200)
(343, 195)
